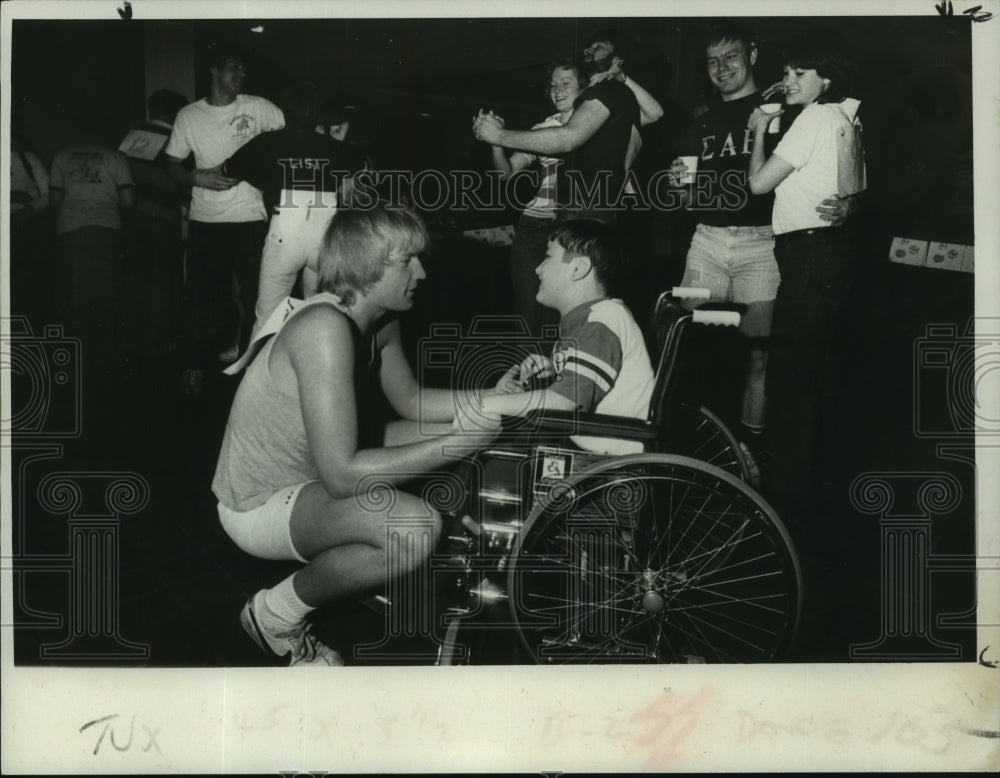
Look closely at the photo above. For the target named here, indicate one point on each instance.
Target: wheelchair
(663, 556)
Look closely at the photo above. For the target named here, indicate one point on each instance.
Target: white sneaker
(278, 638)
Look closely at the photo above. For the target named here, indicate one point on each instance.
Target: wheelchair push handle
(722, 318)
(691, 292)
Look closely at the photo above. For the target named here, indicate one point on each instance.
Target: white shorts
(735, 263)
(265, 532)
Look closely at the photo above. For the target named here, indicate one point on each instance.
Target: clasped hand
(486, 126)
(519, 377)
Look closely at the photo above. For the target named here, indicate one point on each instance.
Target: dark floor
(173, 584)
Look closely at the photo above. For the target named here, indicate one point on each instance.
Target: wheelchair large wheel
(702, 435)
(654, 558)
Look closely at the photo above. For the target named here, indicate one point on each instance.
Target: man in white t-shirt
(228, 221)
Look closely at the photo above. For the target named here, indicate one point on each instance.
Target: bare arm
(650, 109)
(404, 393)
(765, 174)
(586, 120)
(318, 346)
(521, 403)
(508, 166)
(206, 178)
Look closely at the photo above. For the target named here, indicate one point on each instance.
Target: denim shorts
(736, 263)
(265, 532)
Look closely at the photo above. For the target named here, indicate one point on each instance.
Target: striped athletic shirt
(602, 365)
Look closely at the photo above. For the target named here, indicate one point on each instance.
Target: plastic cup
(691, 163)
(775, 123)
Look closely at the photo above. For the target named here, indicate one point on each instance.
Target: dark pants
(216, 254)
(526, 254)
(152, 283)
(32, 266)
(91, 264)
(801, 382)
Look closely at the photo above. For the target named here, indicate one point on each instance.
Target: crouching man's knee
(411, 541)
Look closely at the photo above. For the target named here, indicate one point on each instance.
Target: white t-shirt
(809, 146)
(91, 178)
(543, 204)
(213, 134)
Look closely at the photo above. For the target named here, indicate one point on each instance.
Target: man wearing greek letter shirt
(732, 250)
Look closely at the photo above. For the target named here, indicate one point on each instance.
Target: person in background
(598, 142)
(30, 228)
(305, 175)
(336, 122)
(732, 249)
(228, 221)
(90, 185)
(29, 181)
(531, 233)
(153, 282)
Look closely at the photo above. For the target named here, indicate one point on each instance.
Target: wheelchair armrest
(594, 424)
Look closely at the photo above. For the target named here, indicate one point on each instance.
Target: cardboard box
(945, 256)
(907, 251)
(969, 260)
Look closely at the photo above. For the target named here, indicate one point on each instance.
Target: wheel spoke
(687, 563)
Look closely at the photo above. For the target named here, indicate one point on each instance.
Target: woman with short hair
(814, 257)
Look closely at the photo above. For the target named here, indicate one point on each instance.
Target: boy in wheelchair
(600, 363)
(644, 548)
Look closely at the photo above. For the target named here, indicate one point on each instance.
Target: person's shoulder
(317, 329)
(601, 311)
(609, 88)
(317, 314)
(817, 112)
(611, 311)
(256, 101)
(555, 120)
(610, 306)
(723, 109)
(191, 108)
(809, 120)
(263, 141)
(325, 146)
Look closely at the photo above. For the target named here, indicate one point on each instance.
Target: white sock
(284, 603)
